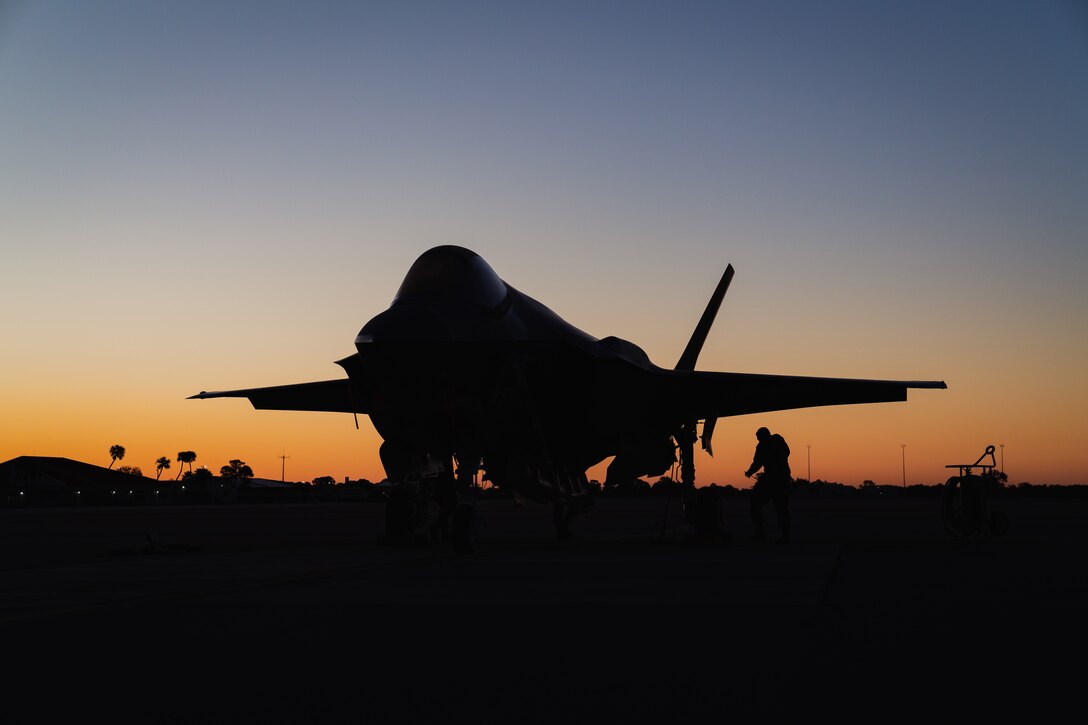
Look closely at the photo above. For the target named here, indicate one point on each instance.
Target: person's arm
(757, 462)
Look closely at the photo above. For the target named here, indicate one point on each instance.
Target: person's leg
(782, 511)
(757, 501)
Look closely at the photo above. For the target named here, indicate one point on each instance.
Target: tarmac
(295, 612)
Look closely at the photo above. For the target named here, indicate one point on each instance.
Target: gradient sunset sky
(213, 195)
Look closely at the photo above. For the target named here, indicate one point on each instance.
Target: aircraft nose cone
(404, 323)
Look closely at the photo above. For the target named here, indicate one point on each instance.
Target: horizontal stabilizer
(332, 396)
(718, 395)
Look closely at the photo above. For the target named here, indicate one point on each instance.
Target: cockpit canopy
(452, 276)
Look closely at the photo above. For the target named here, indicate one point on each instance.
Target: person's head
(763, 434)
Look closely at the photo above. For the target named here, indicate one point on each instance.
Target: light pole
(809, 448)
(1002, 458)
(283, 464)
(904, 447)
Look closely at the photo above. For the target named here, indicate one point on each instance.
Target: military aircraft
(464, 369)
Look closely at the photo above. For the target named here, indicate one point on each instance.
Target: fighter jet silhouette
(464, 369)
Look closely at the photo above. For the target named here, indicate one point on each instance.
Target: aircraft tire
(463, 528)
(400, 516)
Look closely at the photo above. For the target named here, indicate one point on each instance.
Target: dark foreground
(294, 613)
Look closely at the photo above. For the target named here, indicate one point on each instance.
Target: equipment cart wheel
(962, 506)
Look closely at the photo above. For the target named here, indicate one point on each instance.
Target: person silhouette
(772, 455)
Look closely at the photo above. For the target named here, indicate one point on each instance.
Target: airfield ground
(294, 613)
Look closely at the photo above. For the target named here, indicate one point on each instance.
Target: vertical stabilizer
(695, 344)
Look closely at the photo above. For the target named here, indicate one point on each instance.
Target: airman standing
(772, 455)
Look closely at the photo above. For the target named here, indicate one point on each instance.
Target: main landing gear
(405, 512)
(461, 507)
(703, 520)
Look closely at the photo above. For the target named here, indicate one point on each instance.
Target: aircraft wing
(703, 395)
(333, 396)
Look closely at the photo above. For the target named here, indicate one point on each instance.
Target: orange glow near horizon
(77, 392)
(72, 388)
(848, 443)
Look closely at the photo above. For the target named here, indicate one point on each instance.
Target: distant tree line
(236, 469)
(666, 486)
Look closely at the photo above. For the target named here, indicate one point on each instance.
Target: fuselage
(463, 364)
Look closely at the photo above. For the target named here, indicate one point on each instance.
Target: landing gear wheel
(464, 528)
(401, 516)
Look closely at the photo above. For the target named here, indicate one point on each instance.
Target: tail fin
(695, 344)
(624, 465)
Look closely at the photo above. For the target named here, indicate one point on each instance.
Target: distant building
(46, 481)
(267, 483)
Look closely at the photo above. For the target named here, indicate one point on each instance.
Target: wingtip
(199, 395)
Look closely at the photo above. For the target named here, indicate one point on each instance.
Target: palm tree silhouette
(117, 452)
(186, 457)
(237, 469)
(163, 462)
